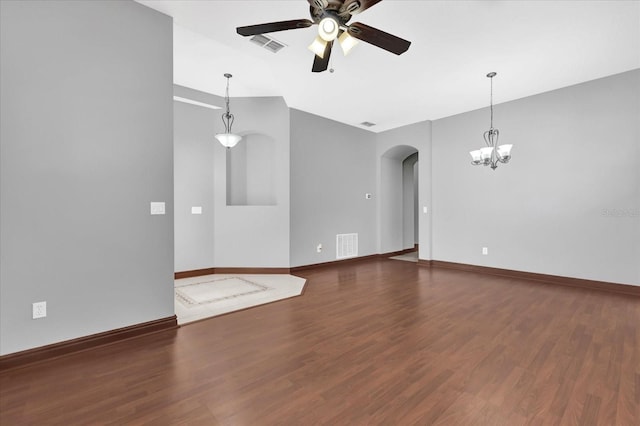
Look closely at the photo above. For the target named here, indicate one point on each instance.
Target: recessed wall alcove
(251, 172)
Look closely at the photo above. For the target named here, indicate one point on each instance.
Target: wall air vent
(346, 245)
(268, 43)
(367, 124)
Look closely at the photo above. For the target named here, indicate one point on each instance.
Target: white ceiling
(534, 46)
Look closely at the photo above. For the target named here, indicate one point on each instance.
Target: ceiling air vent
(367, 124)
(268, 43)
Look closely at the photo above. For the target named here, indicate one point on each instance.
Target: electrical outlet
(319, 248)
(485, 250)
(39, 310)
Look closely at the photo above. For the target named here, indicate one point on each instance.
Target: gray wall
(391, 203)
(333, 166)
(193, 185)
(250, 228)
(410, 201)
(255, 235)
(252, 171)
(566, 204)
(86, 144)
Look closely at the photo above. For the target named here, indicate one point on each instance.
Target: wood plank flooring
(380, 342)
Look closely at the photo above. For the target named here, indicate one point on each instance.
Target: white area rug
(216, 290)
(197, 298)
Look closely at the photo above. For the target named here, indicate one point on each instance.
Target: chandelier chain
(227, 118)
(491, 102)
(493, 153)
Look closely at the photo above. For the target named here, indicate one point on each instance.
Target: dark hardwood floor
(379, 342)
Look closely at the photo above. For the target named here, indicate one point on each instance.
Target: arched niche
(251, 171)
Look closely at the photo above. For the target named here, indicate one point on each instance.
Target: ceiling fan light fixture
(332, 17)
(318, 46)
(328, 29)
(347, 42)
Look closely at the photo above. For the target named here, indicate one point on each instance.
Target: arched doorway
(398, 199)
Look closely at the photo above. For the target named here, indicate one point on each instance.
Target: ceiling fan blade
(378, 38)
(321, 64)
(357, 6)
(272, 27)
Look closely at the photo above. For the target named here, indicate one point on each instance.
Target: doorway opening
(399, 224)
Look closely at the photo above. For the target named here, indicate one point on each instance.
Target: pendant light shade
(228, 140)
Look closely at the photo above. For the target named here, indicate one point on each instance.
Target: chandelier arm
(500, 158)
(230, 119)
(225, 121)
(494, 158)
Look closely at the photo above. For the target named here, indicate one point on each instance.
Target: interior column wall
(252, 233)
(332, 169)
(85, 145)
(417, 137)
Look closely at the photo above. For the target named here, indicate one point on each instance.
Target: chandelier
(228, 139)
(492, 154)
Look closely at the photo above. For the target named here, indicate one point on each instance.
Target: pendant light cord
(227, 96)
(491, 102)
(227, 118)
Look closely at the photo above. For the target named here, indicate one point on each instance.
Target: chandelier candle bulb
(476, 156)
(485, 153)
(504, 151)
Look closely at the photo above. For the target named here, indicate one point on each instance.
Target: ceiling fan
(332, 16)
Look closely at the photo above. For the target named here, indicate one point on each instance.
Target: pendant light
(228, 139)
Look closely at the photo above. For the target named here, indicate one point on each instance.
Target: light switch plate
(196, 210)
(157, 207)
